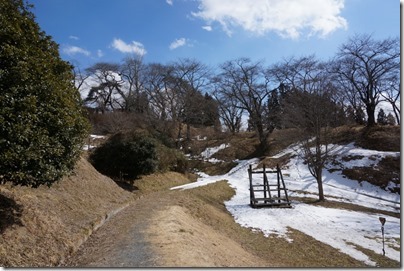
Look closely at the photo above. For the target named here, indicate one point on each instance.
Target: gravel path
(122, 241)
(156, 232)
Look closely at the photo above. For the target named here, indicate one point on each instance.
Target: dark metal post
(383, 221)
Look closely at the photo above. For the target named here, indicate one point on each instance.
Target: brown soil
(155, 232)
(187, 242)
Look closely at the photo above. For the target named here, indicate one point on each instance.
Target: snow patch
(342, 229)
(209, 152)
(97, 136)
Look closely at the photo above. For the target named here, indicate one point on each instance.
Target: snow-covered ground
(340, 228)
(207, 154)
(89, 146)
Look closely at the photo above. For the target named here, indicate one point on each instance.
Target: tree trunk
(179, 134)
(370, 110)
(396, 114)
(320, 185)
(262, 136)
(188, 132)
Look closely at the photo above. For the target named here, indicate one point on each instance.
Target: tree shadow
(10, 213)
(128, 186)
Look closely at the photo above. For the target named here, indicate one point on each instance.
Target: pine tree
(274, 111)
(381, 117)
(390, 119)
(42, 126)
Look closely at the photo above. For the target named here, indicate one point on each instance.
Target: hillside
(41, 227)
(361, 184)
(49, 226)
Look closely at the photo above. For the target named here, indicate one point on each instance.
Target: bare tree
(296, 73)
(175, 92)
(132, 71)
(309, 105)
(230, 111)
(366, 65)
(312, 113)
(244, 81)
(80, 77)
(104, 94)
(190, 77)
(392, 95)
(159, 91)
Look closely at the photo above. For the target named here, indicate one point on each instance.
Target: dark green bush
(171, 160)
(42, 127)
(126, 156)
(129, 155)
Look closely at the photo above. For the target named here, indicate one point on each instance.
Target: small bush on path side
(126, 156)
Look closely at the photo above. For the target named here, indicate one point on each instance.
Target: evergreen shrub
(126, 156)
(42, 126)
(131, 154)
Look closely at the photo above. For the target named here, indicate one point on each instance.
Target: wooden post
(279, 183)
(265, 182)
(266, 186)
(251, 186)
(283, 183)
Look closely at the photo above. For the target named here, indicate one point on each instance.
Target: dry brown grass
(273, 162)
(380, 138)
(382, 261)
(54, 222)
(160, 181)
(212, 168)
(304, 251)
(280, 139)
(206, 204)
(329, 203)
(388, 169)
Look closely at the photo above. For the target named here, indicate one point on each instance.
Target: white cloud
(134, 47)
(170, 2)
(73, 50)
(73, 37)
(289, 19)
(178, 43)
(100, 53)
(207, 28)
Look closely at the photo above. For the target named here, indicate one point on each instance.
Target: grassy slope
(41, 227)
(305, 250)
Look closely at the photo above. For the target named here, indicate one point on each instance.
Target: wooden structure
(266, 194)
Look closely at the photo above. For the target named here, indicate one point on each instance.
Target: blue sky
(212, 31)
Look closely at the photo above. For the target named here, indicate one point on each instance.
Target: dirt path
(155, 232)
(121, 241)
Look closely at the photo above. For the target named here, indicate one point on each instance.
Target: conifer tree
(381, 117)
(42, 126)
(390, 120)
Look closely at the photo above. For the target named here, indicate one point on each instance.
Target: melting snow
(342, 229)
(87, 147)
(97, 136)
(209, 152)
